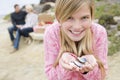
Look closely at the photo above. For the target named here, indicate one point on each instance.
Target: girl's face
(75, 26)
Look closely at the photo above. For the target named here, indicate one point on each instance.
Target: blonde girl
(75, 39)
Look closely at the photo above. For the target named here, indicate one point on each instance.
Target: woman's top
(31, 20)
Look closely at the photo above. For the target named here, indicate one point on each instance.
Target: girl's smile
(76, 33)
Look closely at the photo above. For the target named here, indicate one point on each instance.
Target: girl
(75, 36)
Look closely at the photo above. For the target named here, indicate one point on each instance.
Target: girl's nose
(77, 26)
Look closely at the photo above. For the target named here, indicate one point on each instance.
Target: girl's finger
(65, 65)
(67, 57)
(88, 66)
(85, 69)
(81, 70)
(73, 65)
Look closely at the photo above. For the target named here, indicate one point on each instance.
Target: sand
(25, 64)
(28, 62)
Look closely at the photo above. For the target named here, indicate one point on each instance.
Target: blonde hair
(64, 10)
(29, 7)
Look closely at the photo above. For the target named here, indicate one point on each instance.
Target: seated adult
(24, 30)
(17, 18)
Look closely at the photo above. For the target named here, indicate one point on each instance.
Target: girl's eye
(70, 18)
(85, 17)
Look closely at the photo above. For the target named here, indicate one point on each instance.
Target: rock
(111, 32)
(107, 20)
(109, 43)
(37, 36)
(113, 27)
(118, 27)
(44, 1)
(117, 18)
(48, 6)
(117, 34)
(118, 21)
(42, 7)
(38, 8)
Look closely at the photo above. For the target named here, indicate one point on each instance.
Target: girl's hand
(89, 65)
(65, 60)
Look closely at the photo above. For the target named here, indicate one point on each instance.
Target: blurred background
(28, 62)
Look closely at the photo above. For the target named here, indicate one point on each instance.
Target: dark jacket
(18, 18)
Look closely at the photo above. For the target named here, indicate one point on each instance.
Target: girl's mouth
(77, 33)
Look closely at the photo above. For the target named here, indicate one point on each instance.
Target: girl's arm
(101, 50)
(51, 53)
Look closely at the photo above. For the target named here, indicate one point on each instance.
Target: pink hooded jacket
(52, 47)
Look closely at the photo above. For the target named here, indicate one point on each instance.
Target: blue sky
(6, 6)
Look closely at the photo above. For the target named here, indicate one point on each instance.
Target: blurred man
(17, 18)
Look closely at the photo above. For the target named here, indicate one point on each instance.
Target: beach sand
(25, 64)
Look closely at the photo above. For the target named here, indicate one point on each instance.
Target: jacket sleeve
(13, 20)
(51, 53)
(101, 50)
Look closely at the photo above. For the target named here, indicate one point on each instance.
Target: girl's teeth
(75, 32)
